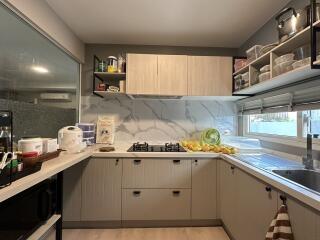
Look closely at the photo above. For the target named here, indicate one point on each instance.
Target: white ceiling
(212, 23)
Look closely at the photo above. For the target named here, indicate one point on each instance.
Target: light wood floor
(196, 233)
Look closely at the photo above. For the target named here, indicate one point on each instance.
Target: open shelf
(106, 76)
(290, 77)
(305, 72)
(42, 230)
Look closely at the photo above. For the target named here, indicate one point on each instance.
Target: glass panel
(313, 123)
(284, 124)
(31, 66)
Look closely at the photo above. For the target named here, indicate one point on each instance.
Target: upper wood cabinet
(209, 76)
(142, 74)
(172, 75)
(178, 75)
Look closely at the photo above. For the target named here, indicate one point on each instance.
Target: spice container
(102, 66)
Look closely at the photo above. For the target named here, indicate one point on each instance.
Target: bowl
(265, 68)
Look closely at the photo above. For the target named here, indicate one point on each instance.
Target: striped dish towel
(280, 228)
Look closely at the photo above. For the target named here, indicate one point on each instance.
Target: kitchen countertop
(65, 161)
(48, 169)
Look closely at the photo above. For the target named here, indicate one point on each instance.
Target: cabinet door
(142, 74)
(101, 190)
(255, 207)
(204, 189)
(156, 204)
(72, 193)
(303, 220)
(227, 195)
(317, 226)
(209, 76)
(173, 75)
(156, 173)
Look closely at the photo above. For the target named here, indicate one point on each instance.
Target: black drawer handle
(136, 161)
(176, 193)
(268, 189)
(136, 193)
(176, 161)
(232, 167)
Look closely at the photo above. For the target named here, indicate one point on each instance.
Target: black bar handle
(176, 161)
(232, 167)
(268, 189)
(176, 193)
(136, 193)
(137, 161)
(283, 199)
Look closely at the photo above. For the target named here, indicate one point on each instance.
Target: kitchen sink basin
(306, 178)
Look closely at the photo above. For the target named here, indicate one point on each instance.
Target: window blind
(304, 96)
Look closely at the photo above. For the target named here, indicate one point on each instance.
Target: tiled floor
(197, 233)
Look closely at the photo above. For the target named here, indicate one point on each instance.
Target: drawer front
(156, 204)
(153, 173)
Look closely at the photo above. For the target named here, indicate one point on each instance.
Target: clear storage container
(284, 58)
(264, 76)
(253, 53)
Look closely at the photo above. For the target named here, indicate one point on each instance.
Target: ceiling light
(40, 69)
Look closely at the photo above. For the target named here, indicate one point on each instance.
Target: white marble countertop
(48, 169)
(65, 161)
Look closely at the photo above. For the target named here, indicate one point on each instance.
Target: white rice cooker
(70, 138)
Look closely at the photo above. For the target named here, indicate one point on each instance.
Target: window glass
(313, 121)
(284, 124)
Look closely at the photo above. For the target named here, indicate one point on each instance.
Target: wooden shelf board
(105, 76)
(262, 60)
(317, 23)
(242, 70)
(293, 76)
(300, 39)
(42, 230)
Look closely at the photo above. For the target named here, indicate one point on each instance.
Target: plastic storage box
(253, 53)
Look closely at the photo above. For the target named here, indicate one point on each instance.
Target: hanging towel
(280, 228)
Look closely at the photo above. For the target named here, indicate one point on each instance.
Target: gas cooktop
(145, 147)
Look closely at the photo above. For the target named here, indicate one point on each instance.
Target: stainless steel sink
(306, 178)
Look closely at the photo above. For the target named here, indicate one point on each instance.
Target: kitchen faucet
(308, 160)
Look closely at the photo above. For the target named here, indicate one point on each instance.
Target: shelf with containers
(284, 64)
(108, 81)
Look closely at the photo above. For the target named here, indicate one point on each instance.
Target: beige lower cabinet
(101, 190)
(303, 220)
(156, 204)
(256, 205)
(318, 225)
(156, 173)
(72, 193)
(247, 206)
(227, 195)
(204, 189)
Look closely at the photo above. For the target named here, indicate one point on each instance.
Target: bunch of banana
(195, 146)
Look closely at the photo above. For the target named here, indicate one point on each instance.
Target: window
(312, 121)
(295, 125)
(284, 124)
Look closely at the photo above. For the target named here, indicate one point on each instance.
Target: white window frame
(298, 141)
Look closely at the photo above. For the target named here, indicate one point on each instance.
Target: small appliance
(70, 138)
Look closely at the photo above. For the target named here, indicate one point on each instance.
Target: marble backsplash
(160, 120)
